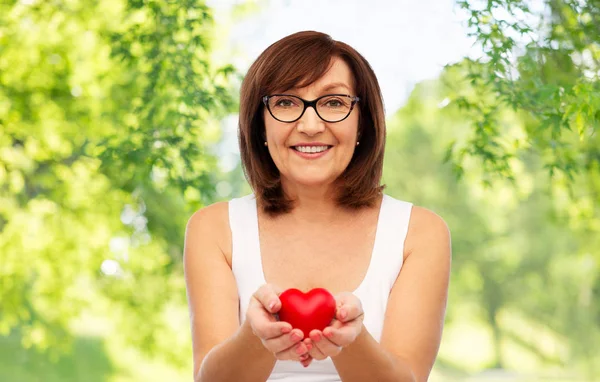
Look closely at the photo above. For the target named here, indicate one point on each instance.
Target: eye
(334, 103)
(285, 102)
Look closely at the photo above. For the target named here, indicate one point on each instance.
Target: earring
(358, 143)
(265, 143)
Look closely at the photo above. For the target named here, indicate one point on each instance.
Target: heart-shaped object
(307, 311)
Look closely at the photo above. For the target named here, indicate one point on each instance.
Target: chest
(304, 257)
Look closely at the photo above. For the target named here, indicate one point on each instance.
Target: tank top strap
(245, 256)
(386, 262)
(391, 234)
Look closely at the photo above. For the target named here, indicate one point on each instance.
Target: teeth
(311, 149)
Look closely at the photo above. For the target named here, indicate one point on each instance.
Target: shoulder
(428, 221)
(211, 223)
(426, 229)
(206, 217)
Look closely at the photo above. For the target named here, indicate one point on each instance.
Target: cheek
(347, 135)
(277, 145)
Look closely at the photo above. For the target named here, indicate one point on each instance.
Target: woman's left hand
(342, 331)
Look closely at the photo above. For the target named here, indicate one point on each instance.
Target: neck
(314, 204)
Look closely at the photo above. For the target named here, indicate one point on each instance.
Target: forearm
(366, 360)
(241, 358)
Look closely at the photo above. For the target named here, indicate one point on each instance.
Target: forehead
(338, 77)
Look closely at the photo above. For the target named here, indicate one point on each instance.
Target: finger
(323, 347)
(284, 342)
(349, 310)
(293, 353)
(306, 362)
(316, 336)
(305, 359)
(344, 298)
(337, 324)
(339, 336)
(270, 330)
(268, 298)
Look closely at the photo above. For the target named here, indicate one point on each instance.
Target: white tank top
(373, 292)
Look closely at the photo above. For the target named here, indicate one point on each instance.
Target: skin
(312, 182)
(416, 305)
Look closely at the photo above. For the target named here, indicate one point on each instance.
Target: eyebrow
(335, 85)
(330, 86)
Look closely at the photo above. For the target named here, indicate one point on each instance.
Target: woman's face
(284, 138)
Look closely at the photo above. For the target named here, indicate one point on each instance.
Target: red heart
(313, 310)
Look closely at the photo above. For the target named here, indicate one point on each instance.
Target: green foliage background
(109, 122)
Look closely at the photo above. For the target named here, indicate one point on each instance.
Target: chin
(311, 180)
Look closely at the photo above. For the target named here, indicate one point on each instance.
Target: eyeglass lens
(289, 108)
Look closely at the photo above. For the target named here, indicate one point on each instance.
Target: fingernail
(328, 334)
(317, 337)
(272, 304)
(299, 349)
(296, 337)
(343, 314)
(285, 329)
(308, 346)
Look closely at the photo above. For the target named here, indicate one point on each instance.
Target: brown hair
(298, 60)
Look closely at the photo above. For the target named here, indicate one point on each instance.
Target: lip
(311, 155)
(310, 144)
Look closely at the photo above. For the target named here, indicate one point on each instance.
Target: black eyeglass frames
(330, 107)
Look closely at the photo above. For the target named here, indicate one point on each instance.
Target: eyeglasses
(330, 107)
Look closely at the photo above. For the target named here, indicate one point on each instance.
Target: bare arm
(240, 358)
(415, 313)
(223, 350)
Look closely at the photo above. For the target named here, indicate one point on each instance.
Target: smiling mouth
(310, 152)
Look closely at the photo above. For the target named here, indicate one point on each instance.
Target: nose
(310, 123)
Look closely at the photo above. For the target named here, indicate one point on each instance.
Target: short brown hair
(298, 60)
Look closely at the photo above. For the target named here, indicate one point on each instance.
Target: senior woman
(312, 139)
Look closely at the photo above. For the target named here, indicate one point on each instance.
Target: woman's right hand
(277, 336)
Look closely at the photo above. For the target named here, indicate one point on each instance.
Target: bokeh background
(118, 121)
